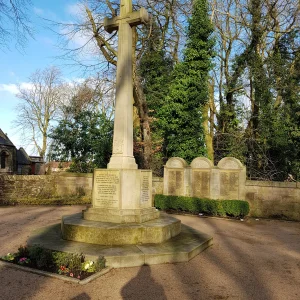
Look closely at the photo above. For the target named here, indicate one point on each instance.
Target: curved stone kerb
(202, 163)
(176, 162)
(230, 163)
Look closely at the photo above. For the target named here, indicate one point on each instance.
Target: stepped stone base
(121, 215)
(74, 228)
(180, 248)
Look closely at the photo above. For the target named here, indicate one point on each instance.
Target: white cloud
(11, 88)
(26, 85)
(14, 88)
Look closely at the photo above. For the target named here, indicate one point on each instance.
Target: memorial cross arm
(133, 18)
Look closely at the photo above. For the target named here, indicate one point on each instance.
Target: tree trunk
(209, 118)
(142, 108)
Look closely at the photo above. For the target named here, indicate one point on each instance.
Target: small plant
(8, 257)
(88, 266)
(63, 270)
(23, 251)
(23, 261)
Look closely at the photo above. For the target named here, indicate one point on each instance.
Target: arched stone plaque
(201, 163)
(176, 162)
(201, 176)
(232, 177)
(175, 176)
(230, 163)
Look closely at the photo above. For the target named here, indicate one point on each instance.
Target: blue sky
(40, 52)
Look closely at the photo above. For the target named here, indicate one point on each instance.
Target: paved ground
(249, 260)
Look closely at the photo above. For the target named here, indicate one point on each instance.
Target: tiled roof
(22, 157)
(4, 140)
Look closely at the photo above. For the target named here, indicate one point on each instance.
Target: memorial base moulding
(121, 196)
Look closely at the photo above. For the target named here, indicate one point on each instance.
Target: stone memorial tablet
(201, 183)
(229, 185)
(106, 189)
(176, 182)
(146, 186)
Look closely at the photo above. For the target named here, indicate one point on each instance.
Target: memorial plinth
(121, 196)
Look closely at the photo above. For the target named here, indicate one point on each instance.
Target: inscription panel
(146, 186)
(229, 185)
(106, 189)
(175, 182)
(201, 183)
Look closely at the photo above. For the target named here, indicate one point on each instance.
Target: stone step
(181, 248)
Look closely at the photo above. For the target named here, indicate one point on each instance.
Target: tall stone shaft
(122, 157)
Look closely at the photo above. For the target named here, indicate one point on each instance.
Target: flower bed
(62, 263)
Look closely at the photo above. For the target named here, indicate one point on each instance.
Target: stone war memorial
(122, 225)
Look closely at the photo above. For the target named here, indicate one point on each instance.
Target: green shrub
(41, 256)
(23, 251)
(233, 208)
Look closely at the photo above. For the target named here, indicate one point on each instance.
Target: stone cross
(122, 157)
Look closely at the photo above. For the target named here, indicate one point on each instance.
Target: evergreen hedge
(232, 208)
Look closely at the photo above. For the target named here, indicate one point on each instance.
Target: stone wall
(25, 188)
(271, 199)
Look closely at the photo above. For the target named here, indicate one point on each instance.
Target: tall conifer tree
(181, 115)
(155, 68)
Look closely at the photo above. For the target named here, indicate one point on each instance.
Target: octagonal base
(75, 228)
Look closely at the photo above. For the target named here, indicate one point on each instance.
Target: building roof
(4, 140)
(22, 157)
(38, 159)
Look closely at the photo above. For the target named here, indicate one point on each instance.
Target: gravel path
(254, 259)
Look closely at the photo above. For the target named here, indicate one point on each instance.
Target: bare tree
(92, 94)
(39, 105)
(14, 22)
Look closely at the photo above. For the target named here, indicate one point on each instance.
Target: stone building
(15, 161)
(8, 155)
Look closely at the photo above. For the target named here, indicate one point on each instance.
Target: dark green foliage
(23, 251)
(181, 115)
(232, 208)
(71, 261)
(86, 139)
(271, 140)
(99, 264)
(235, 208)
(155, 69)
(41, 256)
